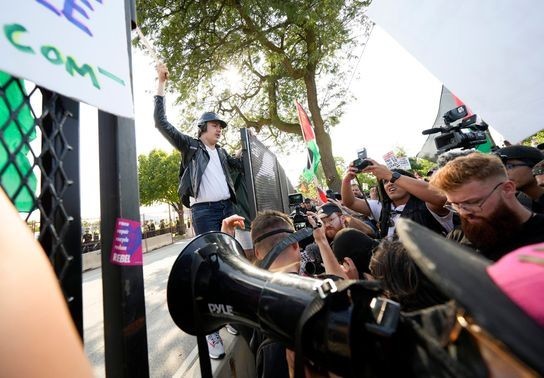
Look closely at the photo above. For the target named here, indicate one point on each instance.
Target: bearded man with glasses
(493, 221)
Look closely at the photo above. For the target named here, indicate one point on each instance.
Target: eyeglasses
(473, 206)
(512, 165)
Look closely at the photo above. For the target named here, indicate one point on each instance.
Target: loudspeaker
(211, 284)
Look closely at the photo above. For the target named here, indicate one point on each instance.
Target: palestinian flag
(309, 137)
(322, 195)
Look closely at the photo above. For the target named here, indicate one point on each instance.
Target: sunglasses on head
(538, 171)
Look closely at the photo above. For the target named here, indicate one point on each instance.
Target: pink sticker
(127, 243)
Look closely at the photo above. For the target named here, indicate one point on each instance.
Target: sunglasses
(538, 171)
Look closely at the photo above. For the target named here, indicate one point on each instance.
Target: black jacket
(416, 210)
(194, 157)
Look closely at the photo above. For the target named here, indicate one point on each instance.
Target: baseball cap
(328, 209)
(504, 298)
(530, 155)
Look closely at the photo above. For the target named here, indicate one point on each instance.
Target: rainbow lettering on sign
(72, 9)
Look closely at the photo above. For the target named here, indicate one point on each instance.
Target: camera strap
(366, 201)
(278, 248)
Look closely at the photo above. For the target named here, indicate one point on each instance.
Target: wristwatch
(394, 177)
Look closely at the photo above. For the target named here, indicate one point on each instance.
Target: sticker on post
(127, 243)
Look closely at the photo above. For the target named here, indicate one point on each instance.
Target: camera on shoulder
(299, 218)
(460, 130)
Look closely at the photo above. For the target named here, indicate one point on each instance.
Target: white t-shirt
(213, 186)
(376, 206)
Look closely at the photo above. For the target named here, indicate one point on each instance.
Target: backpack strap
(278, 248)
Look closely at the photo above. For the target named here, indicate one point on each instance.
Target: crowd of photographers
(490, 203)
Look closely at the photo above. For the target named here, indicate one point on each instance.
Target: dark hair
(202, 129)
(270, 220)
(446, 157)
(385, 214)
(402, 279)
(354, 244)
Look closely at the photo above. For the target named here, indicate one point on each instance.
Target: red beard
(491, 231)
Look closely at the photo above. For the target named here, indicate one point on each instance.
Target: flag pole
(148, 45)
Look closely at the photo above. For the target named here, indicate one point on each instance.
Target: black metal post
(125, 337)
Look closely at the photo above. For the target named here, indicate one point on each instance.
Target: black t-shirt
(531, 232)
(536, 206)
(312, 209)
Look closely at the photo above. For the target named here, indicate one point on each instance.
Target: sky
(395, 99)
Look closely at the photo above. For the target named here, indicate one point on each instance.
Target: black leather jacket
(191, 174)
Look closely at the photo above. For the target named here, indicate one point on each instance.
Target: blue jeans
(207, 216)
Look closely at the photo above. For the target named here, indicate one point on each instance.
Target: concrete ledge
(93, 259)
(149, 244)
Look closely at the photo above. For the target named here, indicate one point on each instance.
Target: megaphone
(212, 284)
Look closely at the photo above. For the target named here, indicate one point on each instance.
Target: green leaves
(274, 44)
(158, 178)
(283, 49)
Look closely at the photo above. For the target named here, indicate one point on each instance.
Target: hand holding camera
(313, 220)
(361, 164)
(380, 171)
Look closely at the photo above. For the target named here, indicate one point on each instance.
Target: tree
(283, 50)
(308, 188)
(419, 166)
(158, 178)
(535, 139)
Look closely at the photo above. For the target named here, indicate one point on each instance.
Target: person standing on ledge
(205, 184)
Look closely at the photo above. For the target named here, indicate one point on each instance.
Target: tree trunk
(322, 138)
(182, 227)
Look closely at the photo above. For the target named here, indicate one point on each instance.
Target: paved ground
(168, 346)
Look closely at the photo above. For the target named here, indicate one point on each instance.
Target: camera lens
(309, 268)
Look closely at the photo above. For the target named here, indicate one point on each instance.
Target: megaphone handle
(203, 353)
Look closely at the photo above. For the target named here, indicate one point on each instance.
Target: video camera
(452, 137)
(361, 162)
(333, 195)
(299, 218)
